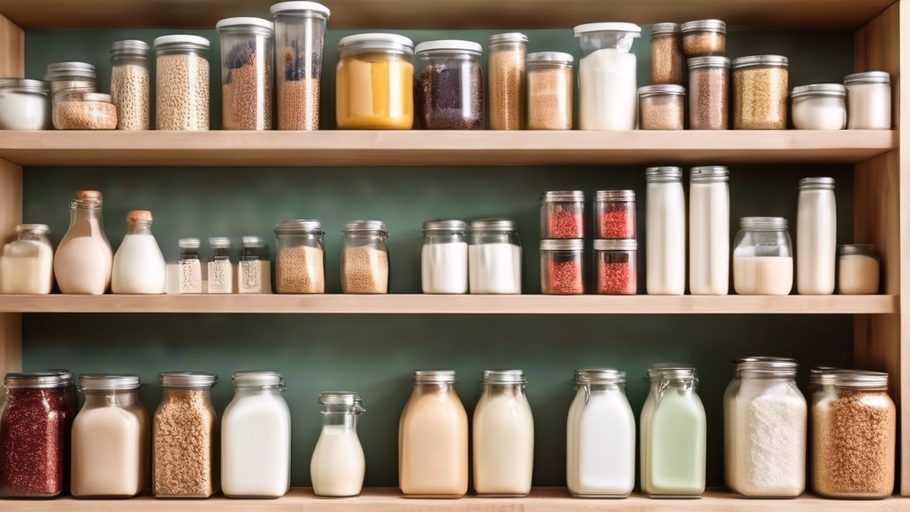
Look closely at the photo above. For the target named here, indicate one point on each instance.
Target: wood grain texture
(10, 215)
(12, 49)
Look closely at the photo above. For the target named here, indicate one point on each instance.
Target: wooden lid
(135, 216)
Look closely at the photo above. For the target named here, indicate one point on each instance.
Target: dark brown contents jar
(709, 80)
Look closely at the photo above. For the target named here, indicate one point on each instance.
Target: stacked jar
(702, 43)
(562, 244)
(615, 244)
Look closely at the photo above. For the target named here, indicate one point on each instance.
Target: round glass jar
(299, 40)
(444, 257)
(662, 107)
(709, 90)
(449, 92)
(868, 100)
(562, 267)
(365, 257)
(300, 262)
(374, 82)
(338, 465)
(550, 83)
(182, 83)
(819, 107)
(858, 269)
(667, 61)
(760, 92)
(27, 263)
(494, 257)
(77, 110)
(24, 105)
(63, 76)
(562, 214)
(615, 267)
(763, 257)
(130, 83)
(614, 214)
(506, 78)
(247, 57)
(607, 76)
(704, 37)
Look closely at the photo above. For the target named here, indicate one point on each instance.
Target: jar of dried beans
(562, 214)
(662, 107)
(182, 83)
(247, 54)
(449, 92)
(365, 257)
(300, 262)
(704, 37)
(616, 267)
(760, 92)
(130, 83)
(220, 270)
(506, 70)
(254, 270)
(549, 78)
(562, 267)
(709, 79)
(667, 62)
(614, 214)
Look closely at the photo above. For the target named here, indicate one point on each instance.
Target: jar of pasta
(374, 82)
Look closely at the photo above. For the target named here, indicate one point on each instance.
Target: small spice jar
(704, 37)
(365, 257)
(24, 105)
(254, 271)
(444, 257)
(819, 107)
(562, 214)
(374, 82)
(220, 269)
(300, 262)
(859, 269)
(449, 92)
(185, 437)
(506, 70)
(63, 76)
(549, 78)
(709, 85)
(189, 266)
(247, 54)
(614, 214)
(27, 263)
(869, 100)
(662, 107)
(760, 92)
(616, 267)
(182, 83)
(77, 110)
(667, 61)
(562, 267)
(494, 257)
(130, 83)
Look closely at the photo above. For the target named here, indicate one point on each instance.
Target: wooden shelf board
(451, 304)
(434, 148)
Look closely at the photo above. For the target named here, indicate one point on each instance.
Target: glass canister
(562, 267)
(816, 236)
(819, 107)
(444, 257)
(762, 257)
(110, 438)
(27, 263)
(256, 438)
(247, 56)
(506, 69)
(24, 105)
(550, 84)
(709, 230)
(185, 437)
(63, 76)
(704, 37)
(616, 267)
(374, 82)
(338, 464)
(868, 100)
(220, 270)
(709, 86)
(365, 257)
(614, 214)
(662, 107)
(608, 84)
(182, 83)
(765, 418)
(82, 263)
(600, 436)
(665, 231)
(853, 436)
(190, 266)
(859, 269)
(254, 271)
(139, 266)
(494, 257)
(299, 39)
(667, 62)
(77, 110)
(130, 83)
(562, 214)
(69, 386)
(760, 92)
(449, 92)
(300, 263)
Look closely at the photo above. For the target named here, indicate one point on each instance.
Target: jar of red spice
(614, 214)
(562, 267)
(562, 214)
(616, 267)
(34, 435)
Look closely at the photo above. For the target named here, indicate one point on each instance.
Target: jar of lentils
(449, 93)
(365, 257)
(709, 85)
(549, 77)
(615, 267)
(662, 107)
(182, 83)
(704, 37)
(760, 85)
(614, 214)
(562, 267)
(130, 83)
(300, 263)
(562, 214)
(667, 62)
(506, 70)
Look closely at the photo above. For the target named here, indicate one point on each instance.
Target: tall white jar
(338, 464)
(139, 266)
(608, 84)
(816, 237)
(709, 231)
(665, 231)
(868, 100)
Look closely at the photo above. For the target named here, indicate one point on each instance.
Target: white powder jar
(819, 107)
(24, 105)
(859, 269)
(444, 257)
(869, 100)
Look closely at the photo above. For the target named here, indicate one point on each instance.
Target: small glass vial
(444, 257)
(130, 83)
(868, 100)
(550, 84)
(27, 263)
(82, 262)
(760, 91)
(704, 37)
(220, 270)
(24, 105)
(494, 257)
(300, 263)
(65, 76)
(562, 214)
(859, 269)
(365, 257)
(662, 107)
(254, 271)
(247, 57)
(667, 60)
(449, 91)
(189, 266)
(506, 78)
(562, 267)
(182, 83)
(616, 267)
(819, 107)
(338, 465)
(614, 214)
(709, 86)
(762, 257)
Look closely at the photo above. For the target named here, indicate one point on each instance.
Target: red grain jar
(614, 214)
(562, 214)
(562, 267)
(616, 269)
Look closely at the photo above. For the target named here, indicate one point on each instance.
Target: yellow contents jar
(374, 82)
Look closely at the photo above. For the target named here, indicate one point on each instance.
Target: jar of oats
(760, 85)
(365, 257)
(182, 83)
(130, 83)
(300, 263)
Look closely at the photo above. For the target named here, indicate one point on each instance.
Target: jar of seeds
(562, 267)
(71, 75)
(254, 271)
(220, 270)
(365, 257)
(449, 92)
(662, 107)
(549, 77)
(506, 70)
(760, 85)
(182, 83)
(704, 37)
(300, 263)
(247, 54)
(130, 83)
(77, 110)
(189, 267)
(615, 267)
(709, 79)
(667, 64)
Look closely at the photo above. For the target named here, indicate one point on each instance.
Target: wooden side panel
(12, 49)
(10, 215)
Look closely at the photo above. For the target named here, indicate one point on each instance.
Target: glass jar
(27, 263)
(299, 39)
(503, 441)
(662, 107)
(76, 110)
(665, 231)
(704, 37)
(433, 438)
(220, 270)
(139, 266)
(24, 105)
(673, 435)
(616, 267)
(365, 257)
(494, 257)
(182, 83)
(607, 80)
(600, 436)
(130, 83)
(760, 92)
(374, 82)
(667, 64)
(562, 267)
(869, 100)
(709, 230)
(254, 271)
(110, 438)
(853, 436)
(247, 56)
(185, 437)
(506, 69)
(614, 214)
(190, 266)
(550, 83)
(765, 429)
(762, 257)
(338, 466)
(444, 257)
(562, 214)
(449, 92)
(859, 269)
(82, 263)
(64, 76)
(69, 387)
(256, 438)
(819, 107)
(709, 86)
(300, 263)
(816, 237)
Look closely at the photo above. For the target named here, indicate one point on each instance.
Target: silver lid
(542, 58)
(292, 226)
(188, 379)
(711, 61)
(820, 183)
(257, 379)
(504, 377)
(704, 26)
(339, 398)
(357, 226)
(665, 28)
(37, 380)
(23, 85)
(435, 376)
(508, 37)
(66, 375)
(493, 225)
(772, 223)
(107, 382)
(599, 375)
(252, 241)
(614, 195)
(188, 243)
(38, 229)
(818, 374)
(760, 60)
(70, 71)
(709, 173)
(672, 371)
(559, 196)
(445, 225)
(663, 173)
(562, 244)
(220, 242)
(868, 77)
(767, 365)
(857, 379)
(661, 90)
(129, 47)
(376, 41)
(866, 249)
(836, 90)
(620, 244)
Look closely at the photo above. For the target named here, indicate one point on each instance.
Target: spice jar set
(485, 259)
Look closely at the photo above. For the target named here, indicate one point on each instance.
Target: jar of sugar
(819, 107)
(494, 257)
(27, 263)
(444, 257)
(365, 257)
(607, 77)
(24, 105)
(859, 269)
(869, 100)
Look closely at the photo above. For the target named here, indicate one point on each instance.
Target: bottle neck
(139, 228)
(510, 389)
(347, 420)
(81, 215)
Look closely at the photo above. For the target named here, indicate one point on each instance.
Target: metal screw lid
(551, 58)
(445, 225)
(508, 37)
(252, 241)
(661, 90)
(672, 371)
(107, 381)
(836, 90)
(667, 173)
(220, 242)
(772, 223)
(562, 244)
(620, 244)
(293, 226)
(558, 196)
(704, 26)
(188, 243)
(493, 225)
(820, 183)
(257, 379)
(599, 375)
(866, 249)
(767, 365)
(358, 226)
(70, 71)
(760, 60)
(377, 41)
(665, 28)
(36, 380)
(711, 61)
(614, 195)
(435, 376)
(858, 379)
(868, 77)
(38, 229)
(504, 377)
(133, 47)
(339, 398)
(709, 173)
(24, 85)
(188, 379)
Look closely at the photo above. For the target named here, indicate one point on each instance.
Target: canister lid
(135, 216)
(710, 61)
(562, 244)
(661, 89)
(550, 58)
(818, 375)
(820, 183)
(709, 173)
(766, 365)
(129, 47)
(614, 195)
(663, 173)
(188, 379)
(299, 8)
(66, 375)
(628, 28)
(88, 196)
(255, 23)
(70, 71)
(445, 225)
(856, 249)
(377, 41)
(339, 398)
(299, 226)
(857, 379)
(493, 225)
(664, 28)
(38, 229)
(23, 85)
(256, 379)
(704, 26)
(219, 242)
(188, 243)
(435, 376)
(182, 40)
(559, 196)
(40, 380)
(508, 37)
(359, 226)
(620, 244)
(760, 60)
(599, 375)
(868, 77)
(107, 381)
(252, 241)
(504, 377)
(672, 371)
(449, 45)
(819, 90)
(763, 223)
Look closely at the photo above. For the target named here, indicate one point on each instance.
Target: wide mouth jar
(435, 377)
(310, 227)
(188, 380)
(505, 40)
(36, 380)
(390, 43)
(89, 382)
(766, 366)
(868, 77)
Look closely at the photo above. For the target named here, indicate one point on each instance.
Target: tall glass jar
(608, 83)
(494, 257)
(449, 92)
(27, 263)
(185, 437)
(338, 466)
(816, 237)
(256, 438)
(550, 84)
(247, 57)
(709, 91)
(503, 435)
(444, 257)
(254, 270)
(614, 214)
(616, 267)
(709, 230)
(139, 266)
(562, 267)
(65, 76)
(82, 263)
(182, 83)
(299, 38)
(130, 83)
(220, 269)
(506, 70)
(762, 257)
(667, 62)
(765, 429)
(562, 214)
(300, 263)
(665, 231)
(374, 82)
(365, 257)
(760, 89)
(189, 266)
(868, 100)
(110, 438)
(600, 436)
(24, 105)
(858, 269)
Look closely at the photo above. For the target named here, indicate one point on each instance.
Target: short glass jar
(868, 100)
(662, 107)
(300, 262)
(24, 105)
(76, 110)
(374, 82)
(616, 267)
(667, 61)
(65, 76)
(506, 78)
(562, 267)
(189, 266)
(365, 257)
(182, 83)
(614, 214)
(299, 40)
(247, 57)
(130, 83)
(762, 257)
(254, 270)
(444, 257)
(27, 263)
(562, 214)
(220, 269)
(338, 465)
(494, 257)
(859, 269)
(704, 37)
(550, 84)
(709, 90)
(760, 92)
(819, 107)
(449, 92)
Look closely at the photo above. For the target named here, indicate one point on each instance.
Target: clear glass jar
(868, 100)
(665, 231)
(365, 257)
(374, 82)
(338, 465)
(562, 214)
(600, 436)
(662, 107)
(550, 83)
(247, 56)
(616, 267)
(220, 270)
(83, 261)
(190, 266)
(494, 257)
(69, 387)
(853, 436)
(709, 91)
(762, 257)
(139, 266)
(27, 262)
(614, 214)
(299, 39)
(185, 437)
(130, 83)
(24, 105)
(449, 92)
(859, 269)
(765, 418)
(819, 107)
(76, 110)
(709, 230)
(300, 263)
(760, 91)
(607, 79)
(704, 37)
(110, 438)
(254, 270)
(182, 83)
(506, 70)
(667, 63)
(64, 76)
(562, 267)
(816, 237)
(444, 257)
(256, 438)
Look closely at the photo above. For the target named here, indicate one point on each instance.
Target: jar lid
(559, 196)
(550, 58)
(252, 23)
(763, 223)
(663, 173)
(339, 398)
(300, 8)
(70, 70)
(819, 90)
(376, 41)
(493, 225)
(767, 365)
(760, 60)
(188, 243)
(293, 226)
(444, 45)
(38, 229)
(856, 249)
(599, 375)
(23, 85)
(620, 244)
(857, 379)
(671, 371)
(628, 28)
(821, 183)
(37, 380)
(817, 374)
(186, 41)
(709, 173)
(660, 90)
(435, 376)
(88, 196)
(445, 225)
(710, 61)
(252, 241)
(508, 37)
(562, 244)
(257, 379)
(66, 375)
(219, 242)
(359, 226)
(868, 77)
(504, 377)
(704, 26)
(135, 216)
(664, 28)
(107, 382)
(129, 47)
(82, 96)
(614, 195)
(188, 379)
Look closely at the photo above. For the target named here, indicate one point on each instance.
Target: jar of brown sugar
(549, 77)
(506, 72)
(365, 257)
(704, 37)
(300, 263)
(662, 107)
(709, 79)
(77, 110)
(667, 62)
(760, 85)
(562, 267)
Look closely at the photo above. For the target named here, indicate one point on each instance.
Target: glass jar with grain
(365, 257)
(760, 92)
(300, 262)
(704, 37)
(562, 267)
(506, 72)
(616, 267)
(374, 82)
(182, 83)
(614, 214)
(562, 214)
(662, 107)
(130, 83)
(449, 92)
(549, 78)
(77, 110)
(254, 270)
(667, 61)
(709, 86)
(247, 56)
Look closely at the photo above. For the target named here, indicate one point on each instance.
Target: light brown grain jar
(704, 37)
(760, 89)
(506, 79)
(709, 86)
(662, 107)
(667, 61)
(549, 78)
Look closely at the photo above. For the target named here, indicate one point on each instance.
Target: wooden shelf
(434, 148)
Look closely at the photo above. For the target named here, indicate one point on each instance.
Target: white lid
(181, 39)
(378, 40)
(244, 22)
(448, 44)
(608, 27)
(285, 7)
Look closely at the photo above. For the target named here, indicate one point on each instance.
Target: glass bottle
(254, 273)
(444, 257)
(139, 266)
(365, 257)
(27, 263)
(709, 230)
(816, 237)
(130, 83)
(506, 78)
(494, 257)
(762, 257)
(220, 270)
(665, 231)
(300, 263)
(189, 266)
(82, 264)
(338, 465)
